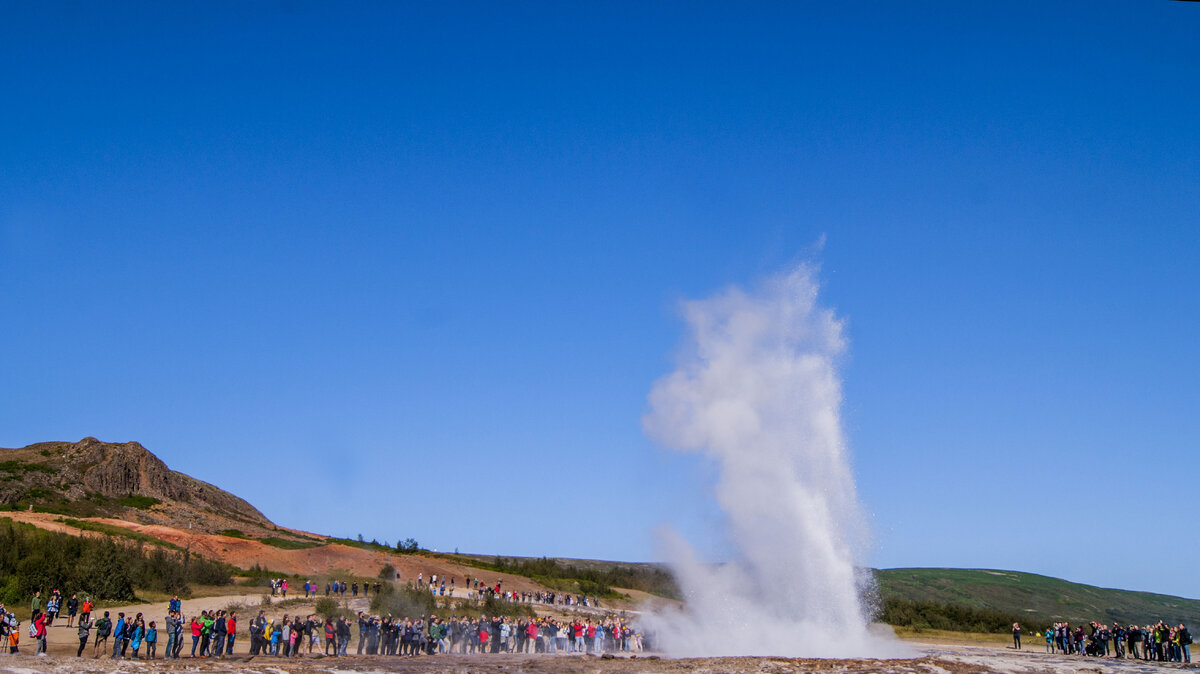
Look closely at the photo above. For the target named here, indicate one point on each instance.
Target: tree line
(101, 567)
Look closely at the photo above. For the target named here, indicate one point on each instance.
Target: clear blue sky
(411, 269)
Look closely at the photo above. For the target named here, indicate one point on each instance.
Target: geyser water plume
(757, 391)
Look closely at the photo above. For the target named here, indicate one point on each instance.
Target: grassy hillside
(585, 576)
(1034, 596)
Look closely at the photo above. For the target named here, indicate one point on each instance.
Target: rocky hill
(123, 491)
(125, 481)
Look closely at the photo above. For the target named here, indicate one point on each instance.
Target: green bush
(121, 532)
(327, 607)
(19, 467)
(365, 545)
(402, 601)
(139, 502)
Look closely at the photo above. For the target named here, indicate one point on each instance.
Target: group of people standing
(42, 614)
(478, 589)
(338, 588)
(1160, 642)
(292, 636)
(213, 633)
(431, 635)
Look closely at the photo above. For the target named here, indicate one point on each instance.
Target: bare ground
(947, 660)
(931, 659)
(326, 560)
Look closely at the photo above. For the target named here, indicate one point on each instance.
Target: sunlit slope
(1036, 596)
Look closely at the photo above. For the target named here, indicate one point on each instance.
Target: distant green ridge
(1041, 597)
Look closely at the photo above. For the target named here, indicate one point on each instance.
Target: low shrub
(137, 501)
(328, 607)
(288, 544)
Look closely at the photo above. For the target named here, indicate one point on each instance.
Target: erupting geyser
(758, 393)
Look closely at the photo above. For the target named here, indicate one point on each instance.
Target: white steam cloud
(758, 392)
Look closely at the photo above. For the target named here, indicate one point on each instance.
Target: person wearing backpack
(103, 627)
(1185, 642)
(330, 637)
(137, 634)
(37, 630)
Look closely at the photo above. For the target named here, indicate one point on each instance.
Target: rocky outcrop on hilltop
(93, 478)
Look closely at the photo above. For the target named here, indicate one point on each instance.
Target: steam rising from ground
(758, 393)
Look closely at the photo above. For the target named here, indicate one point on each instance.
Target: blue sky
(411, 270)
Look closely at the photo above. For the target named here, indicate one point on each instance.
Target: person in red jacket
(231, 627)
(531, 631)
(196, 629)
(39, 626)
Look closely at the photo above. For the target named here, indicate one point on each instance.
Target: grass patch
(233, 533)
(113, 530)
(258, 575)
(139, 502)
(39, 493)
(1033, 597)
(365, 545)
(21, 467)
(288, 544)
(580, 576)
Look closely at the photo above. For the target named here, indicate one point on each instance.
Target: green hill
(1036, 597)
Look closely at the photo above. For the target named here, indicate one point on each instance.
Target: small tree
(327, 607)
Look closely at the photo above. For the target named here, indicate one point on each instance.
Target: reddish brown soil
(325, 560)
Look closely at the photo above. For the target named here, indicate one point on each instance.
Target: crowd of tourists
(478, 589)
(214, 633)
(1160, 642)
(430, 635)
